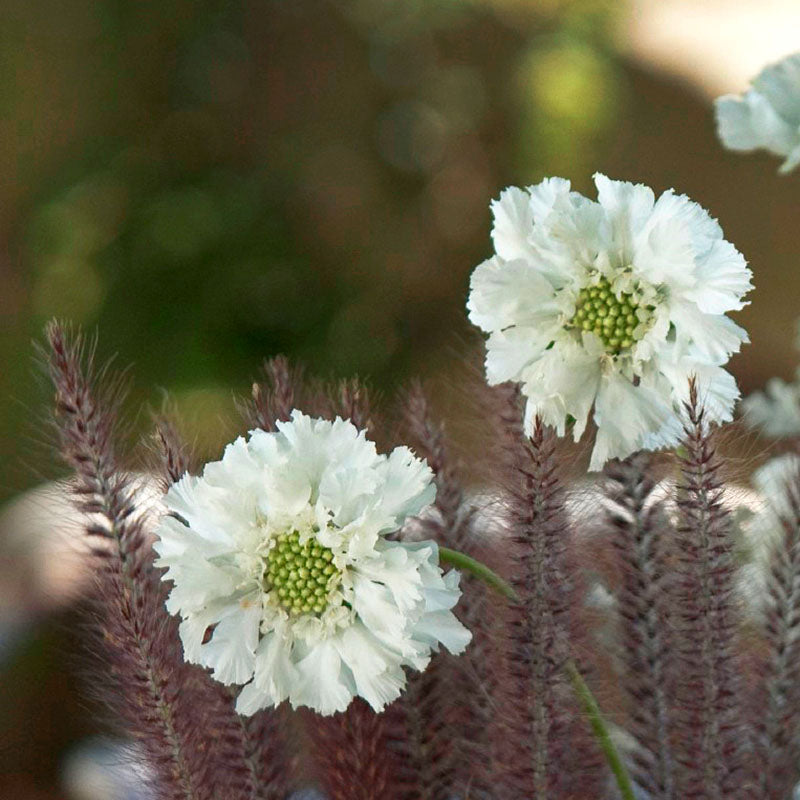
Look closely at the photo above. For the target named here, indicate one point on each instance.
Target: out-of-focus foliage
(211, 183)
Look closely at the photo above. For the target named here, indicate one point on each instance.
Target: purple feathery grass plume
(145, 682)
(253, 751)
(446, 746)
(421, 735)
(639, 527)
(535, 750)
(173, 454)
(273, 398)
(352, 755)
(709, 719)
(353, 403)
(778, 718)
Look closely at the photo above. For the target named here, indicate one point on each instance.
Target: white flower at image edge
(767, 116)
(775, 411)
(610, 305)
(279, 551)
(763, 531)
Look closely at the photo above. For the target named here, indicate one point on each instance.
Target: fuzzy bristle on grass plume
(252, 751)
(351, 401)
(709, 719)
(144, 681)
(778, 715)
(174, 455)
(639, 532)
(273, 398)
(537, 759)
(447, 729)
(351, 751)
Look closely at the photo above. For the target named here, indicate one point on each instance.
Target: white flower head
(767, 116)
(283, 576)
(612, 304)
(763, 530)
(775, 411)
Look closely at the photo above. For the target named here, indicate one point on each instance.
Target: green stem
(579, 686)
(584, 694)
(479, 570)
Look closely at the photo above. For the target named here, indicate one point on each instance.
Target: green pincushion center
(301, 575)
(613, 318)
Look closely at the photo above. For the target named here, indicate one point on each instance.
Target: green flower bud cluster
(613, 319)
(301, 574)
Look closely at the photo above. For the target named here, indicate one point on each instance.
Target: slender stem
(479, 570)
(579, 686)
(584, 694)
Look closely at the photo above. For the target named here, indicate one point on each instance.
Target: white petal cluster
(610, 304)
(767, 116)
(775, 411)
(283, 576)
(763, 530)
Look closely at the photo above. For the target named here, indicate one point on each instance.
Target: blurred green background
(209, 183)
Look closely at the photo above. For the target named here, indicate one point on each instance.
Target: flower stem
(478, 569)
(584, 694)
(579, 686)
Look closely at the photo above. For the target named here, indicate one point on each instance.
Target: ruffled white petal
(396, 566)
(717, 391)
(628, 207)
(222, 543)
(751, 123)
(204, 507)
(510, 352)
(197, 582)
(504, 293)
(722, 280)
(560, 384)
(192, 631)
(347, 491)
(407, 486)
(712, 336)
(231, 651)
(776, 410)
(545, 196)
(320, 683)
(625, 414)
(377, 674)
(442, 627)
(766, 116)
(274, 675)
(664, 250)
(374, 604)
(576, 236)
(513, 223)
(780, 84)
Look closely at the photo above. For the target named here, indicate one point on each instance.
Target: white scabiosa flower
(767, 116)
(611, 304)
(775, 411)
(283, 576)
(763, 528)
